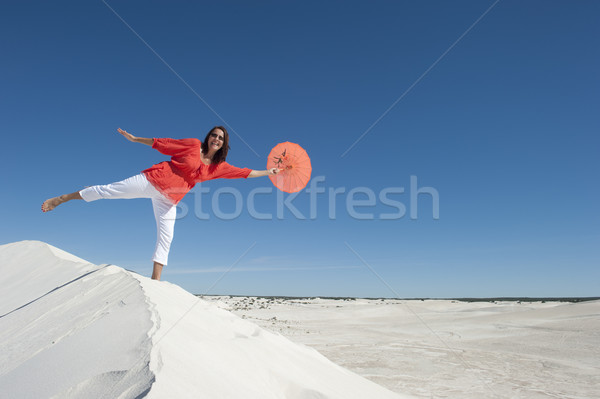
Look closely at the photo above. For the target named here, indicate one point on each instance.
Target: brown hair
(220, 155)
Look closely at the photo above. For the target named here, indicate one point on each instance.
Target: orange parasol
(294, 164)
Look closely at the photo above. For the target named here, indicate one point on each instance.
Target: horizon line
(461, 299)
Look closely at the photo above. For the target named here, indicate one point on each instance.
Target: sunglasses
(216, 136)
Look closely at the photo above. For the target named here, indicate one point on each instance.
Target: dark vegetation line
(491, 299)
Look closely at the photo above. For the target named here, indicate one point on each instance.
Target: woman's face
(215, 139)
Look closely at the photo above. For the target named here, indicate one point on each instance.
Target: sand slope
(70, 329)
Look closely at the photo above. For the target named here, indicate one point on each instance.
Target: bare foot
(51, 203)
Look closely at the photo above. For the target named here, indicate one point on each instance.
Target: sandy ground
(71, 329)
(443, 348)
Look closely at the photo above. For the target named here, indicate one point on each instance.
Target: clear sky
(493, 114)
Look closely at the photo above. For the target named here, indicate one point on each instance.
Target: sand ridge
(70, 329)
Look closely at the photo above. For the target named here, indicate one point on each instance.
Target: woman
(168, 182)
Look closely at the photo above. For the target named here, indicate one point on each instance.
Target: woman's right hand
(135, 139)
(128, 136)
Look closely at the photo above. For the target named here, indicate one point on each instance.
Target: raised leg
(52, 203)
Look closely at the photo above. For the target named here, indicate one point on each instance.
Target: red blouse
(175, 178)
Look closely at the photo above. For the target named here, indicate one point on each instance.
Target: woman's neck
(210, 154)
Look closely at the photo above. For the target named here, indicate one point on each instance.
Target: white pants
(138, 186)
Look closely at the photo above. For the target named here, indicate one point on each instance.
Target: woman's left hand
(267, 172)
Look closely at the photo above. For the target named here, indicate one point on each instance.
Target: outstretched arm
(134, 139)
(258, 173)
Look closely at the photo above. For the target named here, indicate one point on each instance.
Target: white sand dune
(71, 329)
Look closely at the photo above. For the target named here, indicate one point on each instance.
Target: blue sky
(502, 124)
